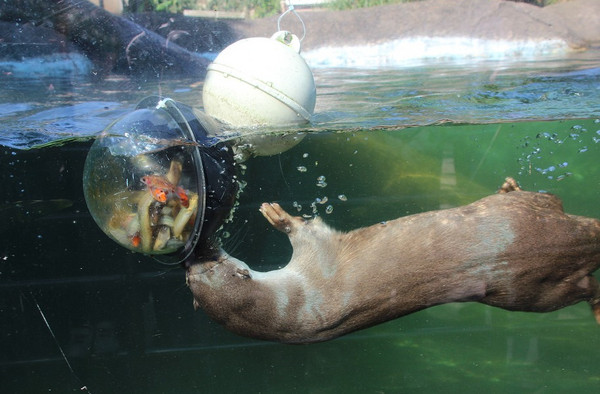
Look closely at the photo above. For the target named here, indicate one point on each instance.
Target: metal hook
(293, 11)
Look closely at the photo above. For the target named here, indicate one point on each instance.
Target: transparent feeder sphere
(144, 182)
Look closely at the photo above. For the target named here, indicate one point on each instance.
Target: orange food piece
(183, 197)
(136, 240)
(162, 190)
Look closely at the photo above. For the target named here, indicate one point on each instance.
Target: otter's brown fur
(515, 250)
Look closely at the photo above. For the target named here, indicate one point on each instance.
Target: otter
(515, 250)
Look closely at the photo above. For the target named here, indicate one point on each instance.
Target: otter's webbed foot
(279, 218)
(509, 185)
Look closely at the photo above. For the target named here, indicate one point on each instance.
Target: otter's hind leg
(509, 185)
(279, 218)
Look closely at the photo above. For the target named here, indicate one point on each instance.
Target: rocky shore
(576, 22)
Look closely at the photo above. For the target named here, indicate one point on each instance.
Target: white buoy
(261, 82)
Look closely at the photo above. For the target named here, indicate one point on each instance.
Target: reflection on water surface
(34, 112)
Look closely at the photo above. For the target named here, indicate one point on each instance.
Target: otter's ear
(243, 273)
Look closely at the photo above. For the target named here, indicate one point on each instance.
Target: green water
(126, 323)
(147, 337)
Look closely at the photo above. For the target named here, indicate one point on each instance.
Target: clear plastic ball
(144, 182)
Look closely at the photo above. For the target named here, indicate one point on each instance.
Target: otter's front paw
(279, 218)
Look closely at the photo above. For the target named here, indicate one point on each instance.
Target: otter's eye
(243, 273)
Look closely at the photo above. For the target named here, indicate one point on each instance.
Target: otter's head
(217, 283)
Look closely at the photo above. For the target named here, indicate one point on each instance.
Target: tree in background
(172, 5)
(258, 8)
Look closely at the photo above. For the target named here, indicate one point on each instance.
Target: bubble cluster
(319, 201)
(540, 153)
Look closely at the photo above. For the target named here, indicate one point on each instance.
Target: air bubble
(321, 181)
(563, 176)
(321, 200)
(296, 205)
